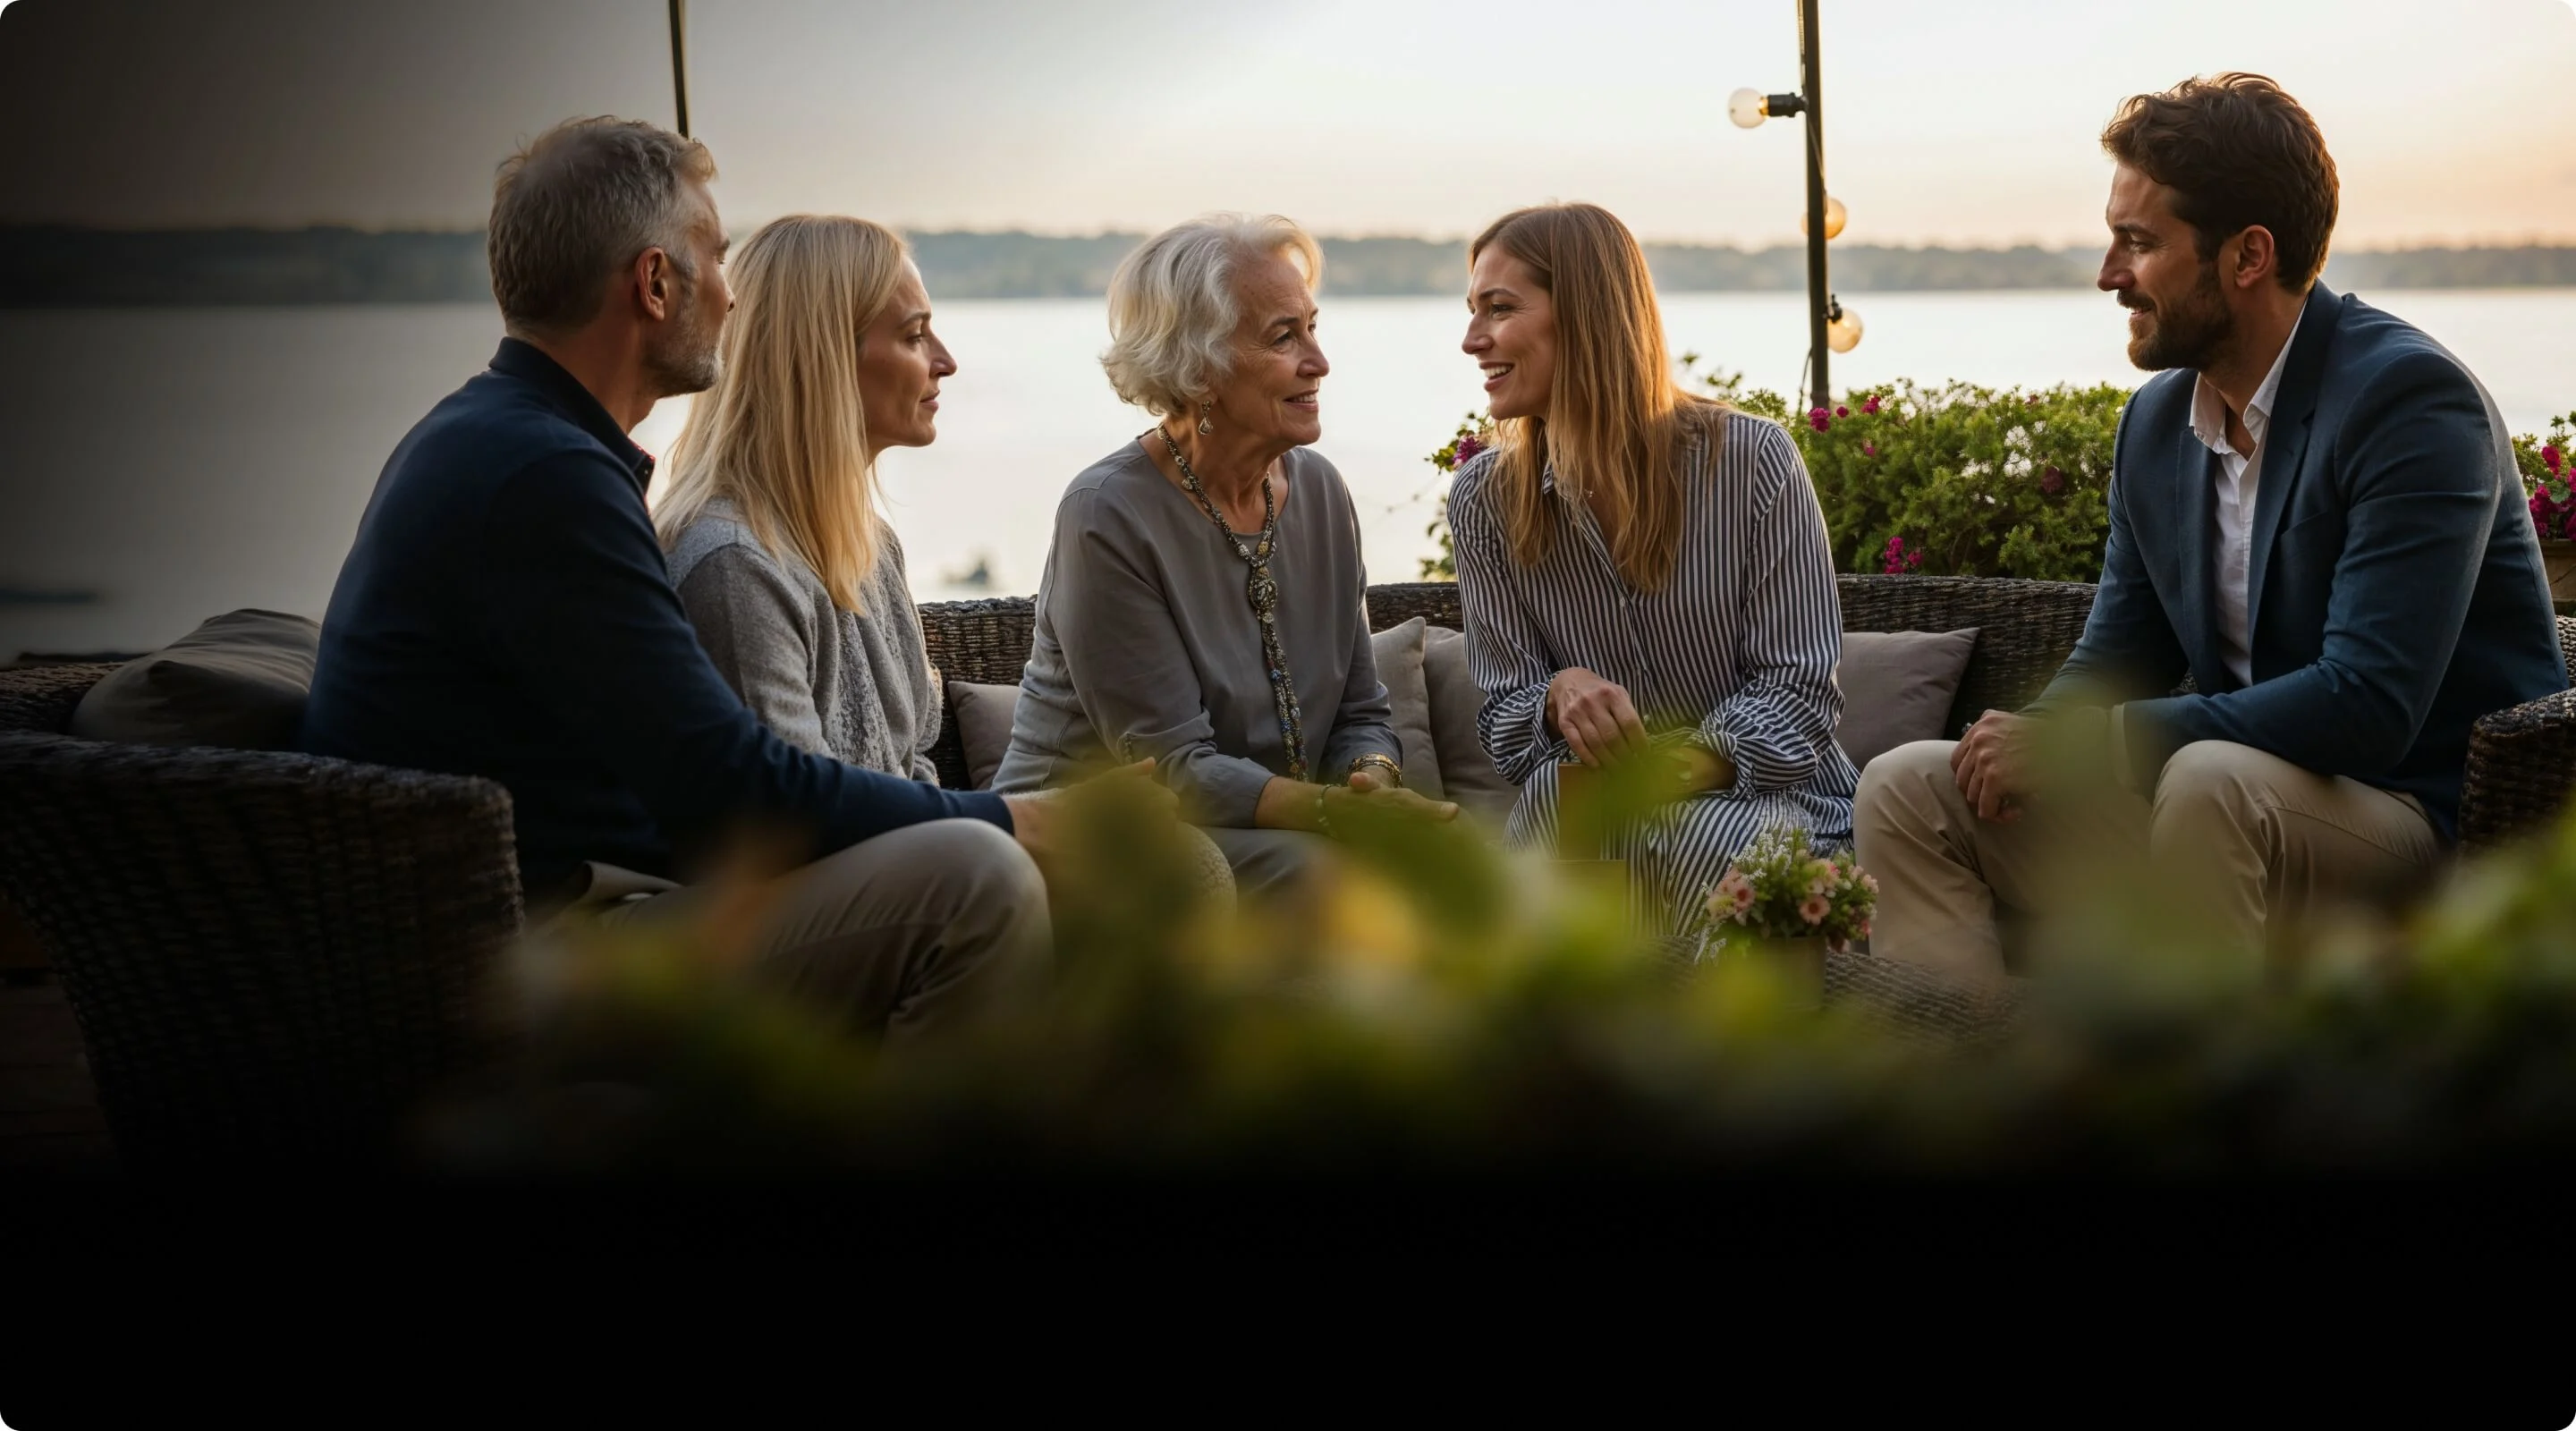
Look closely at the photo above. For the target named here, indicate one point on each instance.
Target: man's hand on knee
(1992, 765)
(1037, 820)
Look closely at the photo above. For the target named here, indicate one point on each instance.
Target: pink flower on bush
(1896, 560)
(2052, 482)
(2550, 457)
(1870, 406)
(1819, 419)
(1841, 411)
(1869, 449)
(1814, 908)
(1467, 448)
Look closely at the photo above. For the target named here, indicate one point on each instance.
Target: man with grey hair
(506, 613)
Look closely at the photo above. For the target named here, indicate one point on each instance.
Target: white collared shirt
(2238, 474)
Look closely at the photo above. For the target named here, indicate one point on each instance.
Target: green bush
(1958, 480)
(1961, 480)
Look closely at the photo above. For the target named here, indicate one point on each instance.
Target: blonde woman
(782, 559)
(1644, 573)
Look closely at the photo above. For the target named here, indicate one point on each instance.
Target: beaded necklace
(1263, 593)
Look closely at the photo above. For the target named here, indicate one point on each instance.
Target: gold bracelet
(1393, 771)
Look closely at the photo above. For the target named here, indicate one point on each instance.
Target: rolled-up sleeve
(1779, 723)
(1132, 672)
(1505, 651)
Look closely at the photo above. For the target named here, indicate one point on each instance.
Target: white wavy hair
(1172, 310)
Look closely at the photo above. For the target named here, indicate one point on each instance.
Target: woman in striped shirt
(1644, 573)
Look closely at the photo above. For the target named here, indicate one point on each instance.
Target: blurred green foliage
(1439, 1004)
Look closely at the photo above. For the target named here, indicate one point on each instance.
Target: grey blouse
(1145, 645)
(855, 687)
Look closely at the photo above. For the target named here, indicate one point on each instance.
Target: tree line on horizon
(52, 266)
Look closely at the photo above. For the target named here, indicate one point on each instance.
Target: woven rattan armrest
(270, 955)
(2522, 765)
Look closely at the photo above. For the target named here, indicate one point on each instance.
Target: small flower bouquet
(1779, 889)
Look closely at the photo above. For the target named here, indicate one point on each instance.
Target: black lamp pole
(1811, 79)
(1749, 108)
(680, 60)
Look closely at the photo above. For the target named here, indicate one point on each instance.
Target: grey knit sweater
(838, 683)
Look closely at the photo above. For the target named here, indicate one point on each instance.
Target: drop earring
(1207, 424)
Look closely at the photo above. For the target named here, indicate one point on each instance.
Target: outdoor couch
(273, 954)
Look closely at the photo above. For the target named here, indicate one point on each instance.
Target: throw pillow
(1465, 773)
(239, 680)
(984, 715)
(1399, 668)
(1897, 687)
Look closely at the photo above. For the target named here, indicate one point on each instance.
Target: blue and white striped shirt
(1739, 649)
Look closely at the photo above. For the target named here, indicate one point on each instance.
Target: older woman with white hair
(1203, 599)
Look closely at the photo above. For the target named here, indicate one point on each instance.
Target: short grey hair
(1172, 310)
(579, 204)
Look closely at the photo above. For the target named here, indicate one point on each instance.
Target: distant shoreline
(52, 267)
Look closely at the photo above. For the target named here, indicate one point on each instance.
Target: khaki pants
(900, 935)
(2262, 842)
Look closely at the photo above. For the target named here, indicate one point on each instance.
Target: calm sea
(159, 466)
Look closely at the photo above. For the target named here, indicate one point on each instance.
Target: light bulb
(1835, 217)
(1747, 108)
(1842, 331)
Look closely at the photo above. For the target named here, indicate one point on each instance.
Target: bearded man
(506, 612)
(2315, 515)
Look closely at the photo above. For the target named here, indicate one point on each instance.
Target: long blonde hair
(783, 433)
(1616, 420)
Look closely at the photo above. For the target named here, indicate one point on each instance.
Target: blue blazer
(2395, 591)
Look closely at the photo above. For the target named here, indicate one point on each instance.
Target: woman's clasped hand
(1600, 724)
(1371, 788)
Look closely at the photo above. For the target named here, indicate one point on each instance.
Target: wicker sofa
(273, 955)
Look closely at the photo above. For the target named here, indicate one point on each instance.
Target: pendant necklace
(1260, 590)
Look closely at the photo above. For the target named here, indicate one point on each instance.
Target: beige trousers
(2257, 842)
(901, 935)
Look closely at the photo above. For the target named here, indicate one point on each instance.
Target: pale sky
(1965, 122)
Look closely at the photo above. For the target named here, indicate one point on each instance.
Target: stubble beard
(2187, 334)
(689, 359)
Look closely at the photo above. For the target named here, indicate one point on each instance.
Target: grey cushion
(1399, 668)
(239, 681)
(1466, 775)
(1897, 687)
(983, 726)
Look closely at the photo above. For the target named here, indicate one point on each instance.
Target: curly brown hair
(2238, 153)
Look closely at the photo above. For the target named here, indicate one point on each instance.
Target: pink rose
(1869, 449)
(1870, 406)
(1468, 447)
(2550, 458)
(1841, 411)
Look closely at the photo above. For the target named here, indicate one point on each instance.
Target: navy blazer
(2395, 591)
